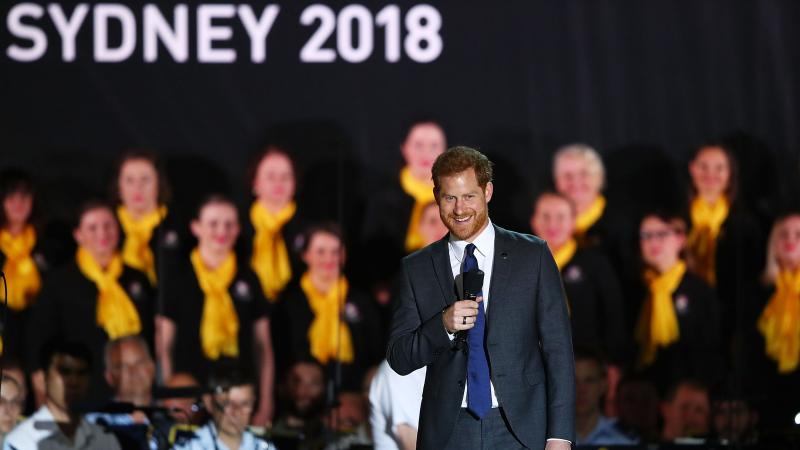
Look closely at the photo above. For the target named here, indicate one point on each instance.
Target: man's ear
(488, 191)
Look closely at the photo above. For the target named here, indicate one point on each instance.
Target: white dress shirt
(394, 400)
(484, 253)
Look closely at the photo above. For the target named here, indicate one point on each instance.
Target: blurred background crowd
(189, 321)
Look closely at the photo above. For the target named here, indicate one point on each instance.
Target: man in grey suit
(500, 367)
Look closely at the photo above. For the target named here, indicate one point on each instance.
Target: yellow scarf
(422, 192)
(270, 259)
(658, 324)
(115, 311)
(702, 242)
(20, 268)
(219, 326)
(326, 329)
(586, 219)
(136, 251)
(564, 254)
(780, 322)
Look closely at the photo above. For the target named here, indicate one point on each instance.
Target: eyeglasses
(15, 402)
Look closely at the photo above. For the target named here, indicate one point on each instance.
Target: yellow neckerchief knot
(422, 193)
(565, 253)
(219, 326)
(658, 324)
(707, 220)
(270, 260)
(23, 276)
(586, 219)
(780, 321)
(116, 313)
(136, 251)
(328, 328)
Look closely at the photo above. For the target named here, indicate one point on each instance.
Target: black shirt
(698, 352)
(385, 227)
(183, 304)
(67, 308)
(597, 310)
(16, 322)
(294, 320)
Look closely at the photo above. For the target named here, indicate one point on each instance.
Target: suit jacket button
(460, 383)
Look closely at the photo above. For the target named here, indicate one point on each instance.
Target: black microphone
(473, 285)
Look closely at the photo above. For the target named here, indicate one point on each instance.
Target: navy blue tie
(479, 393)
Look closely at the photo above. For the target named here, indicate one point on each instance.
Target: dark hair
(14, 181)
(423, 119)
(271, 149)
(214, 199)
(690, 383)
(226, 376)
(459, 159)
(732, 190)
(91, 205)
(64, 347)
(677, 221)
(164, 189)
(323, 227)
(592, 354)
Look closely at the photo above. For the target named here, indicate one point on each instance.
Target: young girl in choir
(274, 226)
(326, 318)
(678, 326)
(149, 230)
(21, 258)
(93, 299)
(215, 313)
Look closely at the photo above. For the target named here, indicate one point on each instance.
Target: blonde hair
(772, 266)
(588, 154)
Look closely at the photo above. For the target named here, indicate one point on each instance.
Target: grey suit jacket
(528, 341)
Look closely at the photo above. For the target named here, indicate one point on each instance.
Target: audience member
(637, 406)
(216, 313)
(323, 317)
(394, 402)
(21, 257)
(12, 400)
(150, 231)
(184, 409)
(592, 288)
(591, 426)
(58, 424)
(274, 228)
(302, 401)
(347, 422)
(678, 326)
(734, 421)
(231, 404)
(130, 372)
(686, 411)
(93, 299)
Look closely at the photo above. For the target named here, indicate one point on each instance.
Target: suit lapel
(501, 268)
(440, 257)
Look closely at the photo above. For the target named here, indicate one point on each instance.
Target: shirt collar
(483, 242)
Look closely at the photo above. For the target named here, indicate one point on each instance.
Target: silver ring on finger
(464, 322)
